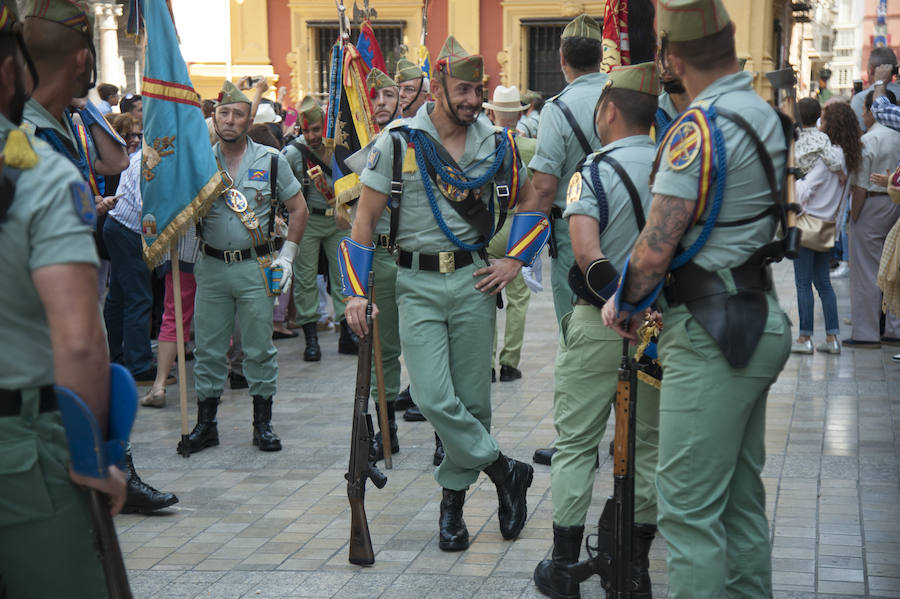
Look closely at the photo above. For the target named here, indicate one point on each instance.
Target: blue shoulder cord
(662, 124)
(425, 149)
(600, 194)
(51, 138)
(721, 169)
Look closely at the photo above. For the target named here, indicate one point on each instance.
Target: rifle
(611, 557)
(362, 454)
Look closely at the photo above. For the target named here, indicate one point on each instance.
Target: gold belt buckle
(446, 262)
(329, 212)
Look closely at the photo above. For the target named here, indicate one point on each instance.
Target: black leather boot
(377, 443)
(454, 534)
(312, 353)
(551, 576)
(512, 479)
(543, 455)
(404, 400)
(141, 497)
(349, 342)
(641, 540)
(206, 432)
(438, 450)
(263, 435)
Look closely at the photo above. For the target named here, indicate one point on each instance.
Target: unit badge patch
(573, 192)
(84, 203)
(258, 175)
(684, 145)
(374, 155)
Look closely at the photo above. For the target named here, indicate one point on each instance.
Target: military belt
(11, 401)
(442, 262)
(321, 211)
(231, 256)
(383, 241)
(691, 282)
(872, 194)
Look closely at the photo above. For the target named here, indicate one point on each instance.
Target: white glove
(533, 275)
(285, 260)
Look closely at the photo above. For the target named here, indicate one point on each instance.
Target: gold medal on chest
(235, 200)
(452, 193)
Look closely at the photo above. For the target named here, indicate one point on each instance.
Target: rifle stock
(362, 466)
(108, 544)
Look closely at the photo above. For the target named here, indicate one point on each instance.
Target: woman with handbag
(822, 194)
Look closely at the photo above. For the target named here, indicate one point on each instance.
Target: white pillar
(107, 25)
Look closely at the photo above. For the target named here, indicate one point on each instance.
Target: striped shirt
(127, 211)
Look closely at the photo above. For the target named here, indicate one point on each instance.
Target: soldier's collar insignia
(573, 192)
(684, 145)
(84, 203)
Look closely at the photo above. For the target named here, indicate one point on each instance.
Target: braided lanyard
(52, 138)
(719, 174)
(424, 150)
(599, 193)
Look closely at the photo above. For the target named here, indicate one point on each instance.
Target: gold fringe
(653, 382)
(156, 254)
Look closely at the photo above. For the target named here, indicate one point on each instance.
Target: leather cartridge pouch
(734, 313)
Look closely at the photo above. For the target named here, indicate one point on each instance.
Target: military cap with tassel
(458, 63)
(377, 80)
(583, 26)
(74, 14)
(642, 78)
(230, 94)
(310, 112)
(407, 70)
(688, 20)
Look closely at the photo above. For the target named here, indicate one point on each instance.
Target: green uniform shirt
(558, 151)
(36, 117)
(747, 190)
(314, 198)
(418, 229)
(42, 228)
(222, 228)
(635, 154)
(667, 106)
(880, 152)
(528, 124)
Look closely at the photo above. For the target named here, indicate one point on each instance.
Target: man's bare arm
(583, 231)
(112, 158)
(655, 247)
(545, 186)
(80, 361)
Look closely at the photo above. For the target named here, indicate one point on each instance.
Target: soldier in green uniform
(504, 110)
(589, 354)
(49, 316)
(59, 37)
(236, 245)
(385, 97)
(672, 100)
(413, 86)
(311, 163)
(446, 306)
(565, 136)
(528, 123)
(384, 91)
(725, 338)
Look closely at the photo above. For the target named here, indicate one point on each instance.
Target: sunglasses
(130, 136)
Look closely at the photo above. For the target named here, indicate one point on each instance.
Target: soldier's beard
(674, 86)
(17, 102)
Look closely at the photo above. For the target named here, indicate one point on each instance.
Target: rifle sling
(579, 134)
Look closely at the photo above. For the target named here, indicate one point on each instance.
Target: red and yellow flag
(616, 50)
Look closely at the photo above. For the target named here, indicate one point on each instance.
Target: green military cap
(458, 63)
(583, 26)
(310, 111)
(687, 20)
(408, 70)
(643, 78)
(73, 14)
(230, 94)
(377, 80)
(9, 15)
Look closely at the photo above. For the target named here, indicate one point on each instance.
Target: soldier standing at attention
(725, 339)
(413, 85)
(440, 192)
(589, 354)
(566, 135)
(385, 97)
(51, 332)
(310, 161)
(59, 37)
(237, 243)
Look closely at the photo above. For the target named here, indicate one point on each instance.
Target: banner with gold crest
(616, 49)
(179, 176)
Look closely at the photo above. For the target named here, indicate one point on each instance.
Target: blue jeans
(130, 298)
(813, 268)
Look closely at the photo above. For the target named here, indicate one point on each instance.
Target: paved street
(276, 525)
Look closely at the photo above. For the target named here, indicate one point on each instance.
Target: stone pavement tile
(321, 585)
(842, 588)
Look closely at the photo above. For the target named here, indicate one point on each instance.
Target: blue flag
(179, 176)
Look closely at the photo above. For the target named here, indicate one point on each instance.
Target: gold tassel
(18, 151)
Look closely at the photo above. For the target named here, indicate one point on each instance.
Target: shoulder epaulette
(17, 151)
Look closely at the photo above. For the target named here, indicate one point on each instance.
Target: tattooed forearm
(669, 218)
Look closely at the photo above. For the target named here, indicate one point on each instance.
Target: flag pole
(179, 348)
